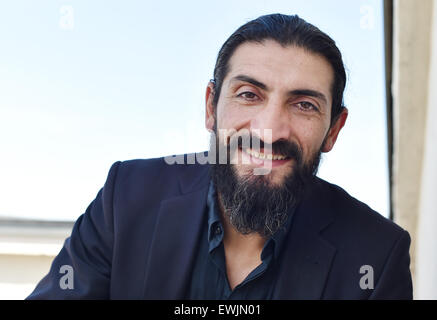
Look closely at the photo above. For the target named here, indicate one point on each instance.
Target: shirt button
(218, 230)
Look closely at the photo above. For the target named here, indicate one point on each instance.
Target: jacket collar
(176, 235)
(307, 257)
(194, 177)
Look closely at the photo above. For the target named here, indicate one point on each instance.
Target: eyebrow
(295, 92)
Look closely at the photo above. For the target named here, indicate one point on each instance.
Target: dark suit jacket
(138, 240)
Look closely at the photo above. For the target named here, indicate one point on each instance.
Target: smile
(262, 159)
(262, 156)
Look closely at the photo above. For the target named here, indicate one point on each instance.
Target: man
(253, 222)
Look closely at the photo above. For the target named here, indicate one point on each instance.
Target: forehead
(282, 68)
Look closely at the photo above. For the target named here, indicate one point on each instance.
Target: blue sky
(117, 80)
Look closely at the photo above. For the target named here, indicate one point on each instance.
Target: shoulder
(364, 238)
(151, 170)
(356, 219)
(154, 178)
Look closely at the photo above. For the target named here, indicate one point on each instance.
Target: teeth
(263, 156)
(278, 157)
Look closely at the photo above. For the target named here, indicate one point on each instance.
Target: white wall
(426, 279)
(412, 22)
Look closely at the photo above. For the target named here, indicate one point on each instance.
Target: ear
(333, 132)
(209, 114)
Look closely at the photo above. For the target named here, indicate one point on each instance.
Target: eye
(307, 106)
(247, 95)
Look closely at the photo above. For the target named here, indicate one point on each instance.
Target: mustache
(283, 147)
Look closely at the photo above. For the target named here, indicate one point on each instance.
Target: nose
(272, 117)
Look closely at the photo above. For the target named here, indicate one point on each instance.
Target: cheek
(311, 136)
(232, 116)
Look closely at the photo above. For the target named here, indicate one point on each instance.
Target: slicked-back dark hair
(287, 30)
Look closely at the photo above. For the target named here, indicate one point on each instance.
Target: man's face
(283, 97)
(286, 90)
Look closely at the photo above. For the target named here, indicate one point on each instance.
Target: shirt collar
(215, 228)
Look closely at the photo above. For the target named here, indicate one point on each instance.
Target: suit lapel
(176, 236)
(305, 268)
(307, 257)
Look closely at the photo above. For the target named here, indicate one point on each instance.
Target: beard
(251, 202)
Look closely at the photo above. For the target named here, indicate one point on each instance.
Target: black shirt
(209, 280)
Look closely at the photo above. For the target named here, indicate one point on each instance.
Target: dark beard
(250, 202)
